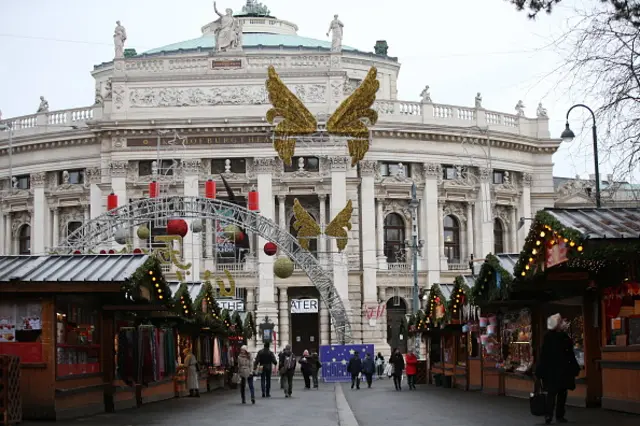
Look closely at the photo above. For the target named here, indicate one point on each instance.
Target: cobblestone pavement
(428, 405)
(308, 407)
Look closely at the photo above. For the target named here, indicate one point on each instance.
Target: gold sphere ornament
(283, 267)
(143, 232)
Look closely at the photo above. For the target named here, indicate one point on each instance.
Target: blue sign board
(334, 359)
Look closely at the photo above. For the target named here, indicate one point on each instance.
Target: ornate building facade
(189, 112)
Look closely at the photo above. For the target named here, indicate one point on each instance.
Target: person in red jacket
(411, 362)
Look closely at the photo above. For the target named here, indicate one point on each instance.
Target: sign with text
(222, 64)
(201, 140)
(231, 305)
(304, 306)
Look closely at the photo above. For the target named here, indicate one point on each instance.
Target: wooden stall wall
(475, 373)
(621, 378)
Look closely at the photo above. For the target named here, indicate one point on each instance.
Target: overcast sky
(458, 47)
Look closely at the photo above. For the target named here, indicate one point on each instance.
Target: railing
(54, 121)
(458, 266)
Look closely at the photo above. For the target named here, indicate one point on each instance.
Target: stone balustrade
(48, 122)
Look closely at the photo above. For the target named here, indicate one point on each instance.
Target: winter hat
(554, 321)
(244, 348)
(305, 353)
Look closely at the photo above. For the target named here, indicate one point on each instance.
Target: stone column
(339, 166)
(513, 232)
(470, 230)
(40, 214)
(192, 246)
(284, 318)
(322, 240)
(3, 235)
(94, 178)
(525, 208)
(282, 218)
(118, 171)
(266, 302)
(484, 222)
(56, 227)
(250, 308)
(368, 231)
(443, 257)
(8, 239)
(432, 172)
(382, 260)
(325, 326)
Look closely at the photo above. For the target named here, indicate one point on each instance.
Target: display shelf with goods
(622, 312)
(77, 336)
(21, 330)
(492, 359)
(516, 336)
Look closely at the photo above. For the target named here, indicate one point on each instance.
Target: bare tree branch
(620, 10)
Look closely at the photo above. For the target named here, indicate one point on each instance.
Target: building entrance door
(305, 325)
(396, 312)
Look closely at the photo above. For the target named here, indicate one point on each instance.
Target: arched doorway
(498, 236)
(396, 316)
(394, 228)
(24, 240)
(101, 231)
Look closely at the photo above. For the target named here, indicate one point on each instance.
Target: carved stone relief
(38, 179)
(93, 175)
(68, 215)
(17, 221)
(368, 168)
(118, 96)
(432, 170)
(191, 166)
(526, 179)
(458, 210)
(263, 165)
(397, 206)
(339, 163)
(503, 213)
(118, 142)
(119, 168)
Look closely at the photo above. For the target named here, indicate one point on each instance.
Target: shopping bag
(236, 378)
(388, 370)
(538, 400)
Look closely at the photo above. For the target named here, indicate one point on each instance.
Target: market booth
(93, 332)
(583, 264)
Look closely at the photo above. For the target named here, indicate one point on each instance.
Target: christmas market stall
(584, 263)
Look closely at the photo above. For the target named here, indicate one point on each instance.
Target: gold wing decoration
(308, 228)
(337, 226)
(347, 120)
(296, 118)
(305, 225)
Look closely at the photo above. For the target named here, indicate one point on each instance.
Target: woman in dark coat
(397, 360)
(557, 368)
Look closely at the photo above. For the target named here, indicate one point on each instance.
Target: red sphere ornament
(103, 252)
(137, 251)
(177, 227)
(270, 249)
(112, 251)
(77, 252)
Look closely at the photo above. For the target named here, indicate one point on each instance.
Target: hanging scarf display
(217, 361)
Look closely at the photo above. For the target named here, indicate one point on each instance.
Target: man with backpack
(265, 360)
(286, 369)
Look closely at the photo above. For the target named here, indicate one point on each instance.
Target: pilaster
(325, 327)
(192, 247)
(118, 172)
(40, 214)
(484, 215)
(525, 207)
(263, 169)
(3, 246)
(251, 305)
(8, 239)
(322, 241)
(513, 231)
(432, 172)
(470, 230)
(283, 300)
(339, 165)
(382, 260)
(368, 230)
(56, 227)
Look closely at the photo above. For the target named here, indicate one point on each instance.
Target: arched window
(73, 227)
(452, 239)
(24, 240)
(498, 236)
(393, 237)
(313, 243)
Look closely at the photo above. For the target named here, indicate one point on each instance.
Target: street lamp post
(415, 246)
(568, 136)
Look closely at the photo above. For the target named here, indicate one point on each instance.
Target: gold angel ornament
(351, 119)
(308, 228)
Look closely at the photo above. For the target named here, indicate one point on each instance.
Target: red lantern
(177, 227)
(270, 249)
(153, 189)
(137, 251)
(253, 204)
(112, 202)
(210, 189)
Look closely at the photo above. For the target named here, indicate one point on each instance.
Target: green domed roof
(249, 40)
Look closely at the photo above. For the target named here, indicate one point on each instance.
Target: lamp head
(567, 135)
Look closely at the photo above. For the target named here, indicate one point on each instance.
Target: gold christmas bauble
(283, 267)
(143, 232)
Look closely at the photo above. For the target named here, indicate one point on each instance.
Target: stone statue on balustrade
(119, 37)
(228, 33)
(542, 111)
(44, 105)
(336, 28)
(478, 101)
(520, 109)
(425, 95)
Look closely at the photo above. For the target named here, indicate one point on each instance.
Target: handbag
(538, 400)
(236, 378)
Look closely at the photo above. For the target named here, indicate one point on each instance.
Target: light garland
(183, 301)
(459, 296)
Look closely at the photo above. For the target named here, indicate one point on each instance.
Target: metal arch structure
(102, 229)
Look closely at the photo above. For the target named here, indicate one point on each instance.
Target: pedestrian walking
(557, 368)
(368, 369)
(411, 361)
(315, 368)
(191, 364)
(355, 368)
(265, 360)
(397, 360)
(245, 370)
(380, 365)
(305, 368)
(286, 369)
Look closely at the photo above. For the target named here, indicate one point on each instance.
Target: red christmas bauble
(177, 227)
(77, 252)
(112, 251)
(137, 251)
(437, 300)
(270, 249)
(103, 252)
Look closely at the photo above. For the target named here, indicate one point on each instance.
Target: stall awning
(70, 268)
(600, 223)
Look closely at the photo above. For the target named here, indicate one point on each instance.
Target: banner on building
(335, 358)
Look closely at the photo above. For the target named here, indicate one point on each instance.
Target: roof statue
(119, 37)
(541, 112)
(229, 31)
(520, 109)
(255, 8)
(336, 29)
(44, 105)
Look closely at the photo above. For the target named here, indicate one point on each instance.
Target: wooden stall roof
(594, 223)
(78, 268)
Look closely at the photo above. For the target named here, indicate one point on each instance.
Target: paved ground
(379, 406)
(429, 405)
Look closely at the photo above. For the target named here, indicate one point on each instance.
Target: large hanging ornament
(308, 229)
(143, 232)
(253, 201)
(154, 189)
(112, 202)
(234, 233)
(177, 227)
(121, 235)
(270, 249)
(196, 226)
(283, 267)
(210, 189)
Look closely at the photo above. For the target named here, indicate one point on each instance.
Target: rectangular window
(498, 177)
(392, 169)
(22, 182)
(236, 165)
(449, 173)
(310, 164)
(20, 330)
(76, 177)
(164, 167)
(77, 335)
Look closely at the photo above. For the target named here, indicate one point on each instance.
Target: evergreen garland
(249, 327)
(149, 275)
(460, 296)
(206, 293)
(183, 302)
(486, 287)
(236, 320)
(436, 298)
(226, 318)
